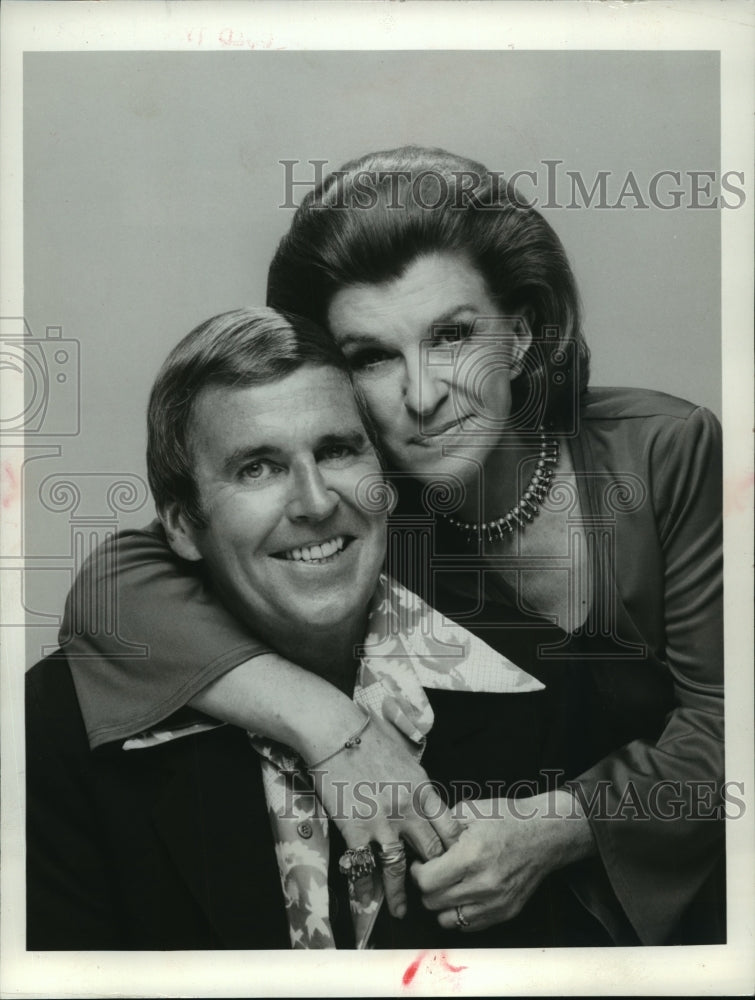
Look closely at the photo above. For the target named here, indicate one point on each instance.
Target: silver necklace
(529, 504)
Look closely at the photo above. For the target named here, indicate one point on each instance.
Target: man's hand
(378, 793)
(507, 848)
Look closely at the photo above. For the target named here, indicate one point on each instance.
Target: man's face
(277, 469)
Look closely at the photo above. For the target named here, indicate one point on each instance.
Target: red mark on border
(451, 968)
(737, 494)
(9, 488)
(411, 970)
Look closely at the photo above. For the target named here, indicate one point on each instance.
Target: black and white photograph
(377, 492)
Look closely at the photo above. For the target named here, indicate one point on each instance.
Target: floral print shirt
(408, 647)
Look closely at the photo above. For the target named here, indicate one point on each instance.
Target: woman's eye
(367, 358)
(451, 333)
(336, 453)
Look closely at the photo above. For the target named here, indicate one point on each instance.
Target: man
(193, 836)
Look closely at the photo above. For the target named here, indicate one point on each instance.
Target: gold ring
(390, 854)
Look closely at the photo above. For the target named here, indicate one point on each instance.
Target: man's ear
(180, 531)
(523, 339)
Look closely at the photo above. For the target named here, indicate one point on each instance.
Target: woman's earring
(522, 332)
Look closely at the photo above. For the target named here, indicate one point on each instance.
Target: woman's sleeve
(143, 634)
(659, 826)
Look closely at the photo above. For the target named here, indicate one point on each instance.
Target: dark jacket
(170, 848)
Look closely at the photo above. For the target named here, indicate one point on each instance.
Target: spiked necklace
(525, 511)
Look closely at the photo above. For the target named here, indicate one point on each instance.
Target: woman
(576, 530)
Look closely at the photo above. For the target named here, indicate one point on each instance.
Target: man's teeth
(314, 553)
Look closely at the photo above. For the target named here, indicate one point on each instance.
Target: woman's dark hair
(368, 221)
(241, 348)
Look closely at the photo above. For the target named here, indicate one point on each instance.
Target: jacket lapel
(212, 818)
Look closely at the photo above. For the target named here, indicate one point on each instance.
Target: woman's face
(434, 359)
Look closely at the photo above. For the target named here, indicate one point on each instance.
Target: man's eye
(257, 470)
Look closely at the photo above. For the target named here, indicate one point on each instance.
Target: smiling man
(276, 468)
(179, 832)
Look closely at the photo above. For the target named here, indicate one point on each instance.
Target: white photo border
(572, 25)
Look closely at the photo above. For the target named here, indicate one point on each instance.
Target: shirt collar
(408, 647)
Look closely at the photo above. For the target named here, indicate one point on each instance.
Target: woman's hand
(374, 793)
(378, 793)
(507, 848)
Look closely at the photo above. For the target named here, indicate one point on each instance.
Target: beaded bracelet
(353, 741)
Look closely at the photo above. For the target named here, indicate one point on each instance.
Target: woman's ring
(390, 854)
(357, 862)
(461, 920)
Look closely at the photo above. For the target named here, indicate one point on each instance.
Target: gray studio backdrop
(152, 190)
